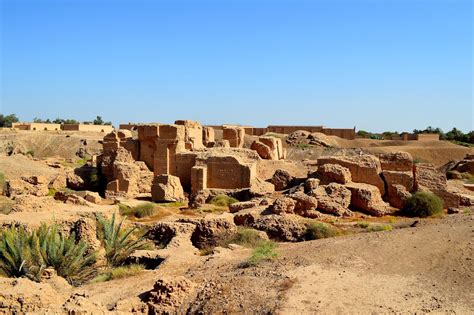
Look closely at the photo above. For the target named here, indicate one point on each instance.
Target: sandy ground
(424, 269)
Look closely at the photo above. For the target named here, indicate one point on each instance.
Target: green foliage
(72, 260)
(423, 204)
(319, 230)
(118, 273)
(265, 251)
(19, 254)
(119, 242)
(302, 146)
(8, 120)
(140, 211)
(173, 204)
(362, 225)
(222, 201)
(246, 237)
(26, 254)
(30, 152)
(379, 227)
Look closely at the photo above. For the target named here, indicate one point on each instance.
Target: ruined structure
(184, 150)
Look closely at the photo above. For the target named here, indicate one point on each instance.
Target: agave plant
(119, 242)
(18, 254)
(72, 260)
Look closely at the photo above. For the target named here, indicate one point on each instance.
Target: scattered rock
(235, 207)
(330, 173)
(367, 198)
(282, 180)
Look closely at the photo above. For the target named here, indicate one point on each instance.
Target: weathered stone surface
(26, 186)
(284, 205)
(305, 205)
(282, 180)
(235, 136)
(210, 231)
(427, 178)
(248, 216)
(399, 186)
(170, 295)
(367, 198)
(264, 151)
(397, 161)
(75, 182)
(334, 199)
(311, 184)
(58, 182)
(167, 188)
(398, 196)
(333, 173)
(92, 197)
(275, 145)
(364, 168)
(208, 136)
(235, 207)
(70, 198)
(285, 228)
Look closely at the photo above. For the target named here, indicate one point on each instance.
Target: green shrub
(222, 201)
(362, 225)
(423, 204)
(140, 211)
(31, 153)
(176, 204)
(319, 230)
(119, 272)
(72, 260)
(19, 254)
(263, 252)
(118, 241)
(246, 237)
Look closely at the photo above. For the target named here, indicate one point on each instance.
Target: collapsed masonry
(169, 160)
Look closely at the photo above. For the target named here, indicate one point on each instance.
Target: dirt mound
(44, 144)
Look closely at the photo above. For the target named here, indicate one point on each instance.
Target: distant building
(66, 127)
(36, 126)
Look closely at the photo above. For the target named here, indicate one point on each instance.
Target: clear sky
(378, 65)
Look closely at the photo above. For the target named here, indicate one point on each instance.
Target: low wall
(427, 137)
(36, 126)
(90, 128)
(128, 126)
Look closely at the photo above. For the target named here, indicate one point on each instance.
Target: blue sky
(377, 65)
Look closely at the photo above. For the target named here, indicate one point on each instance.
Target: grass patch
(246, 237)
(423, 204)
(174, 204)
(119, 273)
(470, 180)
(222, 201)
(362, 225)
(141, 211)
(302, 146)
(319, 230)
(263, 252)
(466, 211)
(464, 144)
(379, 227)
(30, 153)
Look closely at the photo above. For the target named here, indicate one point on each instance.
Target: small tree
(98, 121)
(8, 120)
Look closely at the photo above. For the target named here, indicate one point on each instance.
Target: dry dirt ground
(428, 268)
(422, 269)
(43, 144)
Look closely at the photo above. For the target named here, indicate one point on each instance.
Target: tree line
(8, 120)
(452, 135)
